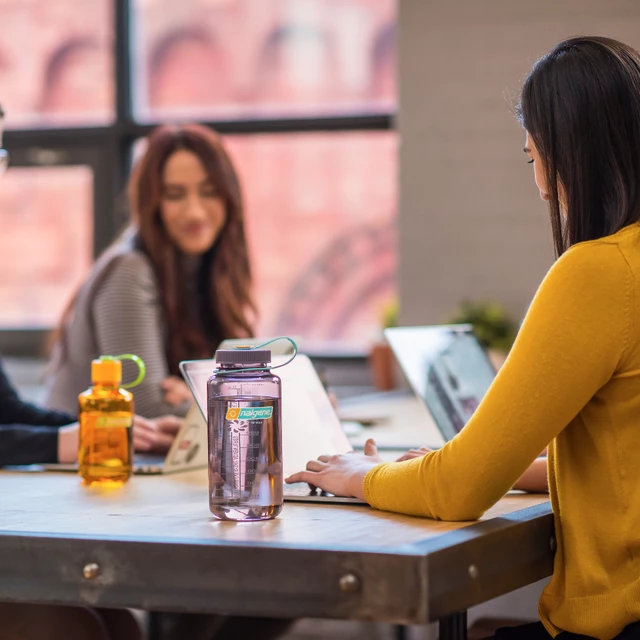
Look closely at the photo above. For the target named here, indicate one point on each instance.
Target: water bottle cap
(105, 370)
(243, 356)
(108, 370)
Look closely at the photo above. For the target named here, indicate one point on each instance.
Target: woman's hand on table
(150, 435)
(176, 391)
(155, 435)
(534, 479)
(342, 475)
(414, 453)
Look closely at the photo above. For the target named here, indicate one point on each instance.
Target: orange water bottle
(105, 415)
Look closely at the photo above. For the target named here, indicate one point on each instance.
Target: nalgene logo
(249, 413)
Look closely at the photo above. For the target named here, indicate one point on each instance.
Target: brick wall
(471, 221)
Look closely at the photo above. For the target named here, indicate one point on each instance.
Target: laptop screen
(447, 367)
(309, 423)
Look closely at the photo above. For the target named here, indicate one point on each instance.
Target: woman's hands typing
(150, 435)
(414, 453)
(342, 475)
(156, 434)
(176, 391)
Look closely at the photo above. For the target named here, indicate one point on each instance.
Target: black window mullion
(284, 125)
(122, 61)
(119, 148)
(75, 138)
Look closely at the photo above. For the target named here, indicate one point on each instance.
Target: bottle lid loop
(142, 369)
(127, 356)
(255, 354)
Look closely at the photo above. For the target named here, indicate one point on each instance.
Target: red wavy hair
(225, 275)
(225, 306)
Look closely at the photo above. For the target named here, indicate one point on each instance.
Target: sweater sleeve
(570, 344)
(26, 444)
(28, 434)
(13, 410)
(128, 319)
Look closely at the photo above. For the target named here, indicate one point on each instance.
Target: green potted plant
(390, 314)
(495, 328)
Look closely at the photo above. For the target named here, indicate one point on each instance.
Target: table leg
(400, 633)
(454, 627)
(155, 626)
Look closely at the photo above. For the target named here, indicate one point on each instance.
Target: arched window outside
(187, 72)
(77, 81)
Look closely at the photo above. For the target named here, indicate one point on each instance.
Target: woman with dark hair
(572, 379)
(176, 282)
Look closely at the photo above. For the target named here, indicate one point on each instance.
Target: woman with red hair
(173, 285)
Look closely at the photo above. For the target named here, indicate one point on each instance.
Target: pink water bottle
(245, 436)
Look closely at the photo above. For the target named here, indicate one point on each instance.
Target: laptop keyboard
(302, 489)
(303, 492)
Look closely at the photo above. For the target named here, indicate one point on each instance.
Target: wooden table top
(175, 507)
(158, 547)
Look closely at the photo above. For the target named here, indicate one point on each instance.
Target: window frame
(107, 150)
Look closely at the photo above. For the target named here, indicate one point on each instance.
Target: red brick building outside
(321, 207)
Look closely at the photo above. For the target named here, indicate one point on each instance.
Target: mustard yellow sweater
(572, 379)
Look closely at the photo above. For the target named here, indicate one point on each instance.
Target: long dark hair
(226, 309)
(581, 106)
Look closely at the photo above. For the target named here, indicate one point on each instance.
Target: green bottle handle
(141, 368)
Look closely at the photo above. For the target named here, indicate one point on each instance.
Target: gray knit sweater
(117, 311)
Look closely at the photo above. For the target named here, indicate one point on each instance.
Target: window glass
(209, 59)
(46, 242)
(321, 221)
(56, 62)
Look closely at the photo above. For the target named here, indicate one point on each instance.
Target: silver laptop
(447, 368)
(310, 426)
(187, 452)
